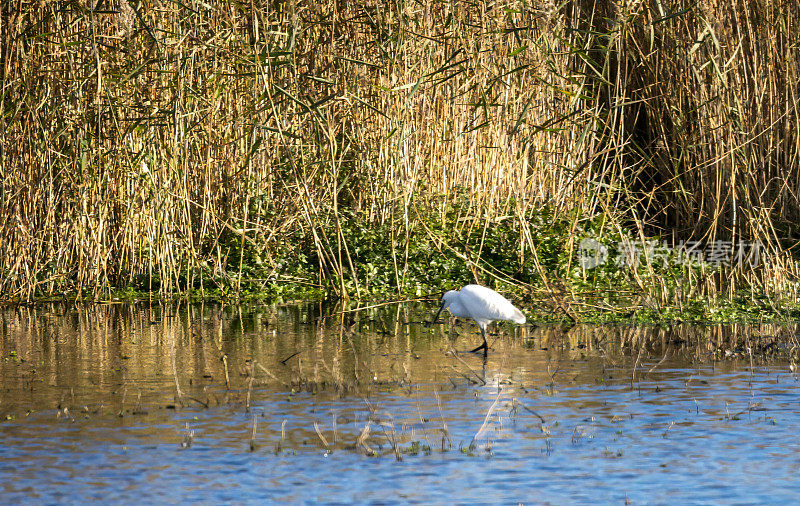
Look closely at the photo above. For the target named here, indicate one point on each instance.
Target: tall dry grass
(136, 135)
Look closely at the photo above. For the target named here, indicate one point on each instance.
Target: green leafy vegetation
(266, 150)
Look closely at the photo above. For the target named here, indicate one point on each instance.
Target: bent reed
(246, 145)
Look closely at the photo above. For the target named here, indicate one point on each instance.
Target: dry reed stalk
(144, 146)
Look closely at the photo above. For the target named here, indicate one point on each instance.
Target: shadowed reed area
(354, 150)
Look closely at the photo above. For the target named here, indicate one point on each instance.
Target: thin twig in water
(361, 441)
(369, 405)
(264, 369)
(432, 296)
(576, 436)
(227, 377)
(668, 428)
(289, 357)
(198, 401)
(485, 422)
(283, 437)
(392, 440)
(249, 391)
(455, 354)
(322, 437)
(188, 437)
(462, 375)
(250, 385)
(444, 424)
(516, 402)
(122, 404)
(635, 365)
(659, 362)
(422, 423)
(253, 434)
(178, 392)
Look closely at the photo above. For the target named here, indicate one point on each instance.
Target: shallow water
(155, 403)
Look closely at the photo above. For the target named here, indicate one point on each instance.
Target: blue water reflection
(626, 417)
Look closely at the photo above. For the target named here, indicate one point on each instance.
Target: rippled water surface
(132, 403)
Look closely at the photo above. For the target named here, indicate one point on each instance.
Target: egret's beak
(441, 308)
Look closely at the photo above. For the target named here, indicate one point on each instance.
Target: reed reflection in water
(94, 393)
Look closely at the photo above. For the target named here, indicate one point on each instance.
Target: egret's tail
(518, 317)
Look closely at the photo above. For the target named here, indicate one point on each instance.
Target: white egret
(483, 305)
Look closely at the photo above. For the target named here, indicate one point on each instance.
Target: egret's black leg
(484, 346)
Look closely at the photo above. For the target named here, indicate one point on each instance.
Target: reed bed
(172, 146)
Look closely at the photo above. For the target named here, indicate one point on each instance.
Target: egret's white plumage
(483, 305)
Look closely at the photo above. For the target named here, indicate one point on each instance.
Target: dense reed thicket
(350, 145)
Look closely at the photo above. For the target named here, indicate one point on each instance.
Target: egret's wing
(486, 304)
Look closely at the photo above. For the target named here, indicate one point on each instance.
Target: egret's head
(447, 299)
